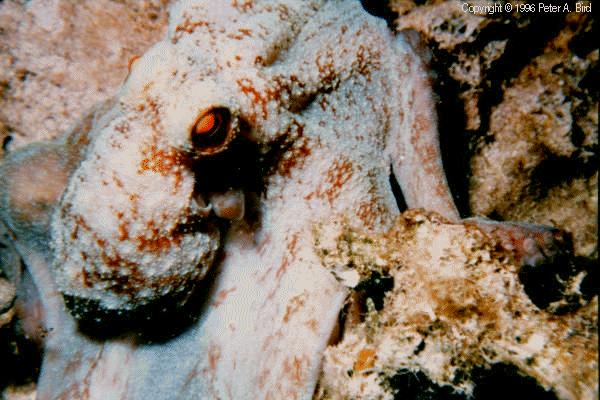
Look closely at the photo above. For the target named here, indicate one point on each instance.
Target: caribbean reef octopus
(169, 235)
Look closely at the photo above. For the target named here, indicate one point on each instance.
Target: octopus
(169, 234)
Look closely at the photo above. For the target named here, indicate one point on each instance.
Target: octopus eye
(212, 131)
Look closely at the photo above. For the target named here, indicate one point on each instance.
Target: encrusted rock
(7, 299)
(517, 92)
(455, 322)
(24, 392)
(539, 162)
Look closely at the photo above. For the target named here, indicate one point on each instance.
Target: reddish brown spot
(366, 61)
(369, 211)
(242, 32)
(247, 87)
(222, 296)
(262, 246)
(282, 267)
(119, 282)
(117, 181)
(187, 26)
(428, 153)
(163, 162)
(337, 175)
(294, 157)
(326, 67)
(295, 304)
(312, 324)
(258, 98)
(365, 360)
(133, 200)
(81, 223)
(152, 110)
(291, 246)
(75, 232)
(262, 378)
(123, 231)
(242, 5)
(87, 282)
(156, 241)
(421, 124)
(214, 355)
(294, 369)
(122, 127)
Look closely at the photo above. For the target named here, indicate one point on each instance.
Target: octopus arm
(414, 146)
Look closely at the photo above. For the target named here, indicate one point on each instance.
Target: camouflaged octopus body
(122, 236)
(129, 230)
(322, 103)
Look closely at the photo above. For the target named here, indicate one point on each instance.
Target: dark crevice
(454, 143)
(397, 191)
(505, 381)
(457, 143)
(21, 358)
(380, 9)
(500, 381)
(415, 385)
(235, 168)
(550, 285)
(577, 134)
(556, 170)
(590, 81)
(585, 41)
(6, 143)
(375, 287)
(517, 54)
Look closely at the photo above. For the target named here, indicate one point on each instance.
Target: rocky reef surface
(439, 311)
(525, 88)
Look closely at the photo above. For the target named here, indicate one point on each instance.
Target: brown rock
(58, 58)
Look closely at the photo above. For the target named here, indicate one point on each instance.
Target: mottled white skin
(347, 97)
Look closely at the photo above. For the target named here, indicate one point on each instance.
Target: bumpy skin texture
(324, 103)
(122, 236)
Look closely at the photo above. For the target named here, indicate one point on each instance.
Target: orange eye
(212, 131)
(207, 124)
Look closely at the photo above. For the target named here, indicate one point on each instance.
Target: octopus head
(140, 222)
